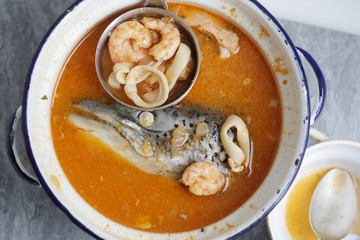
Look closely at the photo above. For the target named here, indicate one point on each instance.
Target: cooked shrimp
(203, 178)
(170, 38)
(129, 42)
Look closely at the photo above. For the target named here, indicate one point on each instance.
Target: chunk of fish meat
(226, 38)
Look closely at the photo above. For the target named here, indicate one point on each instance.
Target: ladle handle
(11, 147)
(156, 3)
(321, 85)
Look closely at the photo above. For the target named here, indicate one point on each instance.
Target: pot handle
(318, 136)
(321, 85)
(13, 154)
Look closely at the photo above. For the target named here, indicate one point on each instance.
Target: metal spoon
(333, 206)
(157, 9)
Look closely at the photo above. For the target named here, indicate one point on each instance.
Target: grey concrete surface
(26, 212)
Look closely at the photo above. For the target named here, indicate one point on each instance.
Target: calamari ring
(120, 70)
(118, 74)
(238, 154)
(180, 61)
(172, 74)
(113, 82)
(131, 90)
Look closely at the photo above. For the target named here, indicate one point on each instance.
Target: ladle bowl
(156, 9)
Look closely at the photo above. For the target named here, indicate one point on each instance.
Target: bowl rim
(52, 196)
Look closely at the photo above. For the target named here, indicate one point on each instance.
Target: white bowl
(331, 154)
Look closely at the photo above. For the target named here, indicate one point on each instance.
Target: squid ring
(134, 77)
(120, 70)
(180, 61)
(172, 74)
(118, 75)
(238, 154)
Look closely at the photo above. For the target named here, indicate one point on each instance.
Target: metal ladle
(157, 9)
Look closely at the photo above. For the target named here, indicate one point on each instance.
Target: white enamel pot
(61, 39)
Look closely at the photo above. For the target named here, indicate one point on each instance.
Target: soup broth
(242, 84)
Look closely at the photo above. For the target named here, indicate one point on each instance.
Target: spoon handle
(156, 3)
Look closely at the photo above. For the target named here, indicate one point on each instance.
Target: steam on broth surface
(241, 84)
